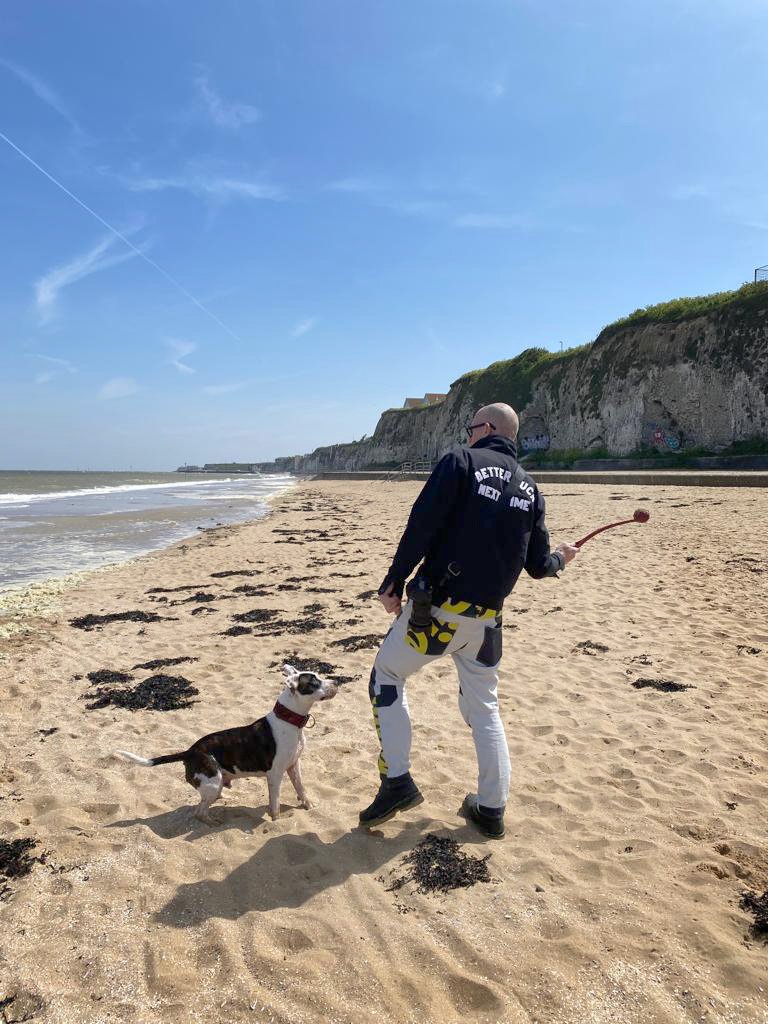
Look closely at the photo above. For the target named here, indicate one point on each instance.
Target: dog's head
(308, 685)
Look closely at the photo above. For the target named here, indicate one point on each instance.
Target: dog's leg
(294, 774)
(210, 790)
(274, 781)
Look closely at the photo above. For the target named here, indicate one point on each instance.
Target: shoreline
(72, 577)
(635, 820)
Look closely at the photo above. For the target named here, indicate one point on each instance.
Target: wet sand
(636, 821)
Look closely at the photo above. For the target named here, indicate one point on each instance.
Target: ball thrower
(640, 516)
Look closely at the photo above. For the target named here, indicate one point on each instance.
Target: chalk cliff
(672, 376)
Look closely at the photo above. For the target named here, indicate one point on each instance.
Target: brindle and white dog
(270, 746)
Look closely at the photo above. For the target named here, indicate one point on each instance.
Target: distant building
(431, 398)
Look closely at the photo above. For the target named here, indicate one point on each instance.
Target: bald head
(502, 416)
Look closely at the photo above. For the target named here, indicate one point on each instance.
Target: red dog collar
(290, 716)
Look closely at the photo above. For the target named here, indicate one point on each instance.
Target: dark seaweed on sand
(438, 864)
(156, 693)
(365, 641)
(175, 590)
(590, 647)
(162, 662)
(234, 572)
(758, 907)
(276, 627)
(91, 621)
(662, 685)
(108, 677)
(16, 861)
(252, 591)
(255, 615)
(236, 631)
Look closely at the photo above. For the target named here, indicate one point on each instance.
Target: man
(478, 522)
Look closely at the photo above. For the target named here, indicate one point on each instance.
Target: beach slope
(636, 821)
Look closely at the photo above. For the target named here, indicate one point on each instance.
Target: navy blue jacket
(480, 512)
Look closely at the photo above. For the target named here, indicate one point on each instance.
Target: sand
(637, 817)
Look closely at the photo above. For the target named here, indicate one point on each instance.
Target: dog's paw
(306, 803)
(274, 815)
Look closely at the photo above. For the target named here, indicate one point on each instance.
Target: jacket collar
(497, 443)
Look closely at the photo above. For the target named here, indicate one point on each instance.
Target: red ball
(641, 516)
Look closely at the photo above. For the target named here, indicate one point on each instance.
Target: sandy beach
(636, 820)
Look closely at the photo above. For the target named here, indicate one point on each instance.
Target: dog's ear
(291, 675)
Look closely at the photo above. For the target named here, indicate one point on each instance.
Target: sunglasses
(469, 427)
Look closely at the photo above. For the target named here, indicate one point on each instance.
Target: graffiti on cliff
(535, 443)
(658, 436)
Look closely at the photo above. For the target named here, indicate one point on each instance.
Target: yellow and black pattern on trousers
(467, 610)
(433, 641)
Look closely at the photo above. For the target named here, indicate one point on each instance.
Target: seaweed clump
(758, 907)
(438, 864)
(662, 685)
(15, 861)
(156, 693)
(91, 621)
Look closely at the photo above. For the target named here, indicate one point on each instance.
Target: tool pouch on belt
(419, 591)
(490, 649)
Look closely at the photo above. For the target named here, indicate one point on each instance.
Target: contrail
(126, 241)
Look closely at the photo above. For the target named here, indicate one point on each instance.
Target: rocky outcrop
(699, 380)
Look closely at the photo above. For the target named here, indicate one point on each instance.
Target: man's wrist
(398, 585)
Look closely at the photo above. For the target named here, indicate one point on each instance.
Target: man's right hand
(568, 551)
(391, 600)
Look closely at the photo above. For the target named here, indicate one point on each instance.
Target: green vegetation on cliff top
(512, 379)
(687, 308)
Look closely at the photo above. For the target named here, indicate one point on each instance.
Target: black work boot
(399, 794)
(489, 820)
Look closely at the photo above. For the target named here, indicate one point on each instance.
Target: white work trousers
(475, 646)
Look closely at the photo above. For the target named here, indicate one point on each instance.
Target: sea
(55, 523)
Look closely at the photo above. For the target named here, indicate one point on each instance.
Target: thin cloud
(118, 387)
(304, 327)
(230, 116)
(181, 349)
(58, 366)
(206, 186)
(225, 389)
(65, 364)
(43, 92)
(98, 258)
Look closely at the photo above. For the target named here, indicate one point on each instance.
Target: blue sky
(366, 199)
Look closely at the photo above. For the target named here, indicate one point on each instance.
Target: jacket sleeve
(540, 561)
(429, 513)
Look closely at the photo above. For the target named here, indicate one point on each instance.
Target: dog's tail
(150, 762)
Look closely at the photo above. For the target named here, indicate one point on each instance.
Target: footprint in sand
(472, 996)
(292, 940)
